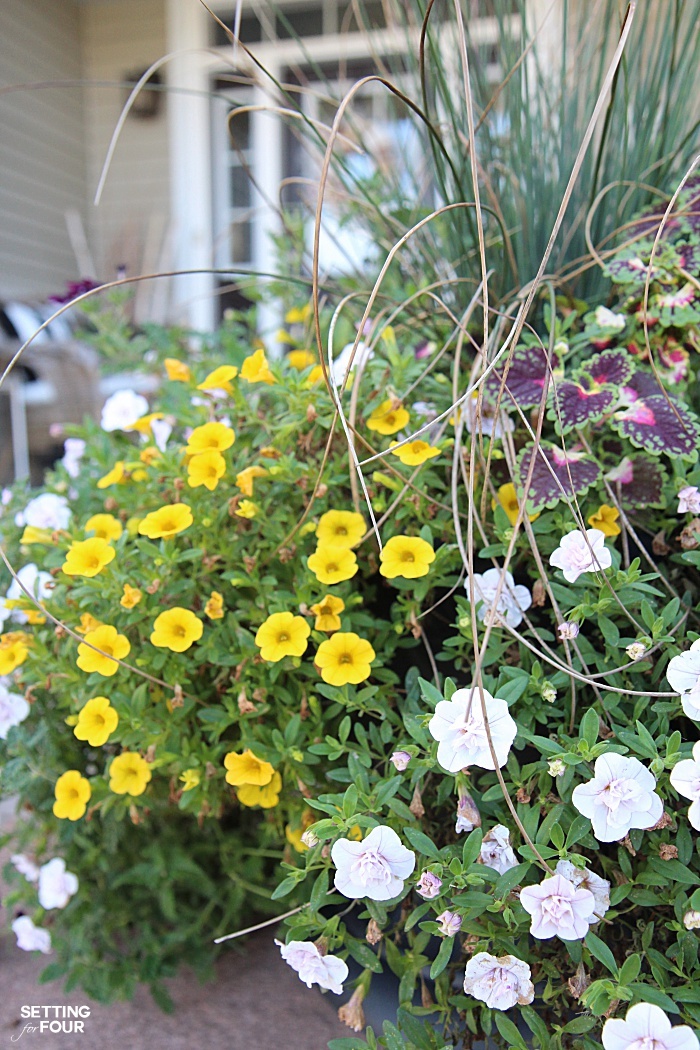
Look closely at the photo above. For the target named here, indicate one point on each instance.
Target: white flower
(56, 885)
(556, 767)
(328, 971)
(309, 838)
(449, 923)
(341, 362)
(73, 452)
(40, 584)
(5, 497)
(636, 650)
(429, 885)
(488, 423)
(683, 675)
(400, 760)
(47, 511)
(587, 880)
(122, 409)
(496, 851)
(580, 552)
(605, 318)
(558, 909)
(458, 725)
(161, 430)
(25, 866)
(691, 920)
(499, 982)
(13, 710)
(646, 1027)
(31, 938)
(619, 797)
(568, 631)
(374, 868)
(512, 602)
(685, 777)
(689, 500)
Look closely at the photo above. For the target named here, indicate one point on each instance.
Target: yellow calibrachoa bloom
(149, 454)
(206, 468)
(88, 557)
(177, 370)
(143, 424)
(129, 774)
(14, 650)
(407, 556)
(266, 797)
(415, 452)
(301, 359)
(214, 608)
(112, 645)
(33, 535)
(508, 499)
(131, 596)
(247, 769)
(315, 375)
(96, 722)
(72, 793)
(340, 528)
(245, 479)
(246, 509)
(220, 379)
(387, 419)
(105, 527)
(211, 437)
(293, 837)
(345, 659)
(605, 519)
(88, 623)
(298, 314)
(333, 564)
(255, 369)
(282, 634)
(167, 521)
(326, 613)
(190, 779)
(176, 629)
(113, 477)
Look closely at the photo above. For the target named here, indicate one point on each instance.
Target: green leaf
(472, 847)
(646, 738)
(422, 843)
(673, 869)
(536, 1025)
(589, 727)
(320, 890)
(429, 692)
(286, 886)
(443, 957)
(647, 993)
(350, 801)
(602, 953)
(363, 954)
(509, 1031)
(629, 971)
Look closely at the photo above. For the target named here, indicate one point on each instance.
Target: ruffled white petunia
(374, 868)
(685, 777)
(38, 583)
(21, 863)
(122, 409)
(499, 982)
(620, 796)
(513, 600)
(56, 885)
(31, 938)
(161, 430)
(646, 1027)
(328, 971)
(73, 452)
(496, 851)
(339, 369)
(558, 909)
(587, 880)
(683, 675)
(605, 318)
(47, 511)
(580, 552)
(689, 500)
(458, 725)
(13, 709)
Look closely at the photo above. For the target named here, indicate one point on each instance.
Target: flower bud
(549, 693)
(468, 816)
(636, 650)
(691, 920)
(429, 885)
(309, 838)
(450, 923)
(556, 768)
(568, 631)
(400, 760)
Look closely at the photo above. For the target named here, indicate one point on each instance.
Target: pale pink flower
(499, 982)
(458, 726)
(31, 938)
(636, 650)
(513, 600)
(496, 851)
(558, 909)
(429, 885)
(646, 1027)
(449, 923)
(309, 838)
(73, 452)
(25, 866)
(468, 816)
(620, 796)
(161, 430)
(580, 552)
(691, 920)
(689, 500)
(400, 760)
(685, 777)
(556, 767)
(587, 880)
(568, 631)
(488, 423)
(374, 868)
(312, 967)
(683, 675)
(56, 885)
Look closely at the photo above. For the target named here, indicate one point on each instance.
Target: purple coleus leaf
(612, 366)
(689, 257)
(629, 269)
(639, 482)
(576, 404)
(556, 474)
(525, 378)
(657, 423)
(678, 308)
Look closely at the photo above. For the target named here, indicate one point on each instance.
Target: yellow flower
(246, 509)
(14, 650)
(139, 475)
(265, 797)
(247, 769)
(96, 722)
(88, 623)
(415, 452)
(131, 596)
(282, 634)
(149, 454)
(105, 527)
(87, 557)
(177, 370)
(245, 479)
(129, 774)
(143, 425)
(255, 369)
(298, 314)
(605, 519)
(176, 629)
(112, 645)
(214, 608)
(211, 437)
(508, 499)
(315, 375)
(333, 564)
(345, 658)
(386, 419)
(340, 528)
(190, 779)
(326, 613)
(113, 477)
(220, 379)
(207, 468)
(301, 359)
(33, 535)
(167, 521)
(407, 556)
(293, 837)
(72, 795)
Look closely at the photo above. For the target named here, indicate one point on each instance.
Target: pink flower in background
(496, 851)
(73, 452)
(429, 885)
(587, 880)
(458, 725)
(400, 760)
(580, 552)
(568, 631)
(31, 938)
(685, 777)
(328, 971)
(683, 675)
(646, 1027)
(689, 500)
(374, 868)
(450, 923)
(620, 796)
(56, 885)
(558, 909)
(499, 982)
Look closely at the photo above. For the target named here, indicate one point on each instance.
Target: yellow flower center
(341, 530)
(331, 567)
(73, 794)
(179, 630)
(93, 562)
(168, 525)
(345, 658)
(108, 649)
(407, 556)
(283, 637)
(390, 419)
